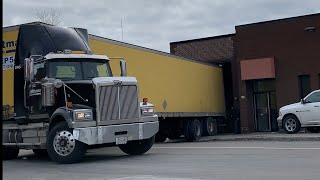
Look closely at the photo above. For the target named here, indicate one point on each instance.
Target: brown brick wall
(296, 52)
(213, 49)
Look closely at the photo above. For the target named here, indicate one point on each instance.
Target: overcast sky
(154, 24)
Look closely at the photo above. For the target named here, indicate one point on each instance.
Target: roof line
(277, 20)
(205, 38)
(128, 45)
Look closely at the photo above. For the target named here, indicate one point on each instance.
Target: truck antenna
(121, 29)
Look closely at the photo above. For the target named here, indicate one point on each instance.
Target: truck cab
(72, 102)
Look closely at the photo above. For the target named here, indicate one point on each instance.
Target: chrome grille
(111, 98)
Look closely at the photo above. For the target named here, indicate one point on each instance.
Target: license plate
(121, 140)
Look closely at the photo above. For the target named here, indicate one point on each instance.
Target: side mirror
(302, 101)
(123, 67)
(28, 69)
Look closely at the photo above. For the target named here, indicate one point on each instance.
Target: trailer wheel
(208, 126)
(40, 152)
(194, 131)
(62, 147)
(9, 153)
(137, 147)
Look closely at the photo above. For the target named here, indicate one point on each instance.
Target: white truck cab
(306, 114)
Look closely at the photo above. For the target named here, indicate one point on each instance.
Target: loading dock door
(262, 112)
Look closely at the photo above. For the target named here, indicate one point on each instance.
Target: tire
(194, 130)
(62, 147)
(160, 138)
(40, 152)
(9, 153)
(208, 126)
(137, 147)
(291, 124)
(174, 134)
(313, 129)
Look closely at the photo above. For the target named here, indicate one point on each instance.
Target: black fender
(62, 112)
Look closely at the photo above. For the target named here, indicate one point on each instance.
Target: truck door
(34, 90)
(310, 112)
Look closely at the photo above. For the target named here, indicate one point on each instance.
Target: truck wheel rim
(64, 143)
(290, 124)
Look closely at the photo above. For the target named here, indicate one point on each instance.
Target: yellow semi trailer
(188, 95)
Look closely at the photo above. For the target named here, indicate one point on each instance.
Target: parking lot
(200, 160)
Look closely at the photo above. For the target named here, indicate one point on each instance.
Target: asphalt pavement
(228, 160)
(258, 136)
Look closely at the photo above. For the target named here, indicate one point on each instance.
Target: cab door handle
(316, 106)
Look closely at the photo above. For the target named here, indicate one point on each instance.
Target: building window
(304, 85)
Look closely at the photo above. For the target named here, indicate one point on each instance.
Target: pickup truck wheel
(291, 124)
(194, 130)
(62, 147)
(40, 152)
(9, 152)
(313, 129)
(137, 147)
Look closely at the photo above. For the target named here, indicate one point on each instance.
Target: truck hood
(104, 81)
(290, 106)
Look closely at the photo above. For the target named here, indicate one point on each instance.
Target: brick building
(266, 65)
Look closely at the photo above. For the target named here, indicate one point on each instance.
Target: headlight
(147, 110)
(83, 114)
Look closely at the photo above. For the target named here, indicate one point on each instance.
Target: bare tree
(50, 16)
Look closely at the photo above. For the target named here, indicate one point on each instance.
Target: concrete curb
(256, 137)
(206, 139)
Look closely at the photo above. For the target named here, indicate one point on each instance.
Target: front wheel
(9, 153)
(291, 124)
(313, 129)
(137, 147)
(62, 147)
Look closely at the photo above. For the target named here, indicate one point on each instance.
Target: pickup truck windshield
(78, 69)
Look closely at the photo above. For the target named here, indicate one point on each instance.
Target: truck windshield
(78, 70)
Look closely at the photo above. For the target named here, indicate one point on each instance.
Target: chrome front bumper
(109, 134)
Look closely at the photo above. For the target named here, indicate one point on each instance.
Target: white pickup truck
(305, 114)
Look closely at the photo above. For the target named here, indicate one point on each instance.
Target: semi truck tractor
(61, 99)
